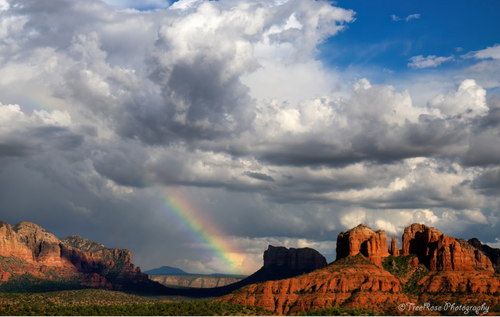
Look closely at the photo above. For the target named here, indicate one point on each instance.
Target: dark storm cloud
(259, 176)
(54, 23)
(32, 140)
(197, 104)
(432, 135)
(310, 153)
(484, 150)
(17, 148)
(122, 162)
(376, 142)
(488, 181)
(60, 138)
(484, 144)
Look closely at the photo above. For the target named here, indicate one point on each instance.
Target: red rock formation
(479, 282)
(9, 244)
(353, 282)
(440, 252)
(305, 259)
(29, 248)
(330, 286)
(394, 247)
(4, 276)
(361, 239)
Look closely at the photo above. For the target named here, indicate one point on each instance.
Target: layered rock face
(439, 252)
(29, 248)
(304, 259)
(361, 239)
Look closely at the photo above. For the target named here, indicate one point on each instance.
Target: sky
(196, 133)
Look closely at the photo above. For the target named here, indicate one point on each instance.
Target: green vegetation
(191, 308)
(74, 297)
(411, 285)
(29, 283)
(338, 311)
(495, 309)
(400, 267)
(93, 302)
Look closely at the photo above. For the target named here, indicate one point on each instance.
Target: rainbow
(205, 231)
(37, 99)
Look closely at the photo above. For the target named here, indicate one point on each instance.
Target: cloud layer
(225, 102)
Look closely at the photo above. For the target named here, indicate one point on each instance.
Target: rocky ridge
(31, 252)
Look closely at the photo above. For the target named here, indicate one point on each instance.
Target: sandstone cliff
(29, 251)
(361, 239)
(440, 252)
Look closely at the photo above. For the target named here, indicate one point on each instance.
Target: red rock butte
(361, 239)
(439, 252)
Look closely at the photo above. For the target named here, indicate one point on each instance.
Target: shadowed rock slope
(492, 253)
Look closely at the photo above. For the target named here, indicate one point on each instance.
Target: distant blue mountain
(166, 270)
